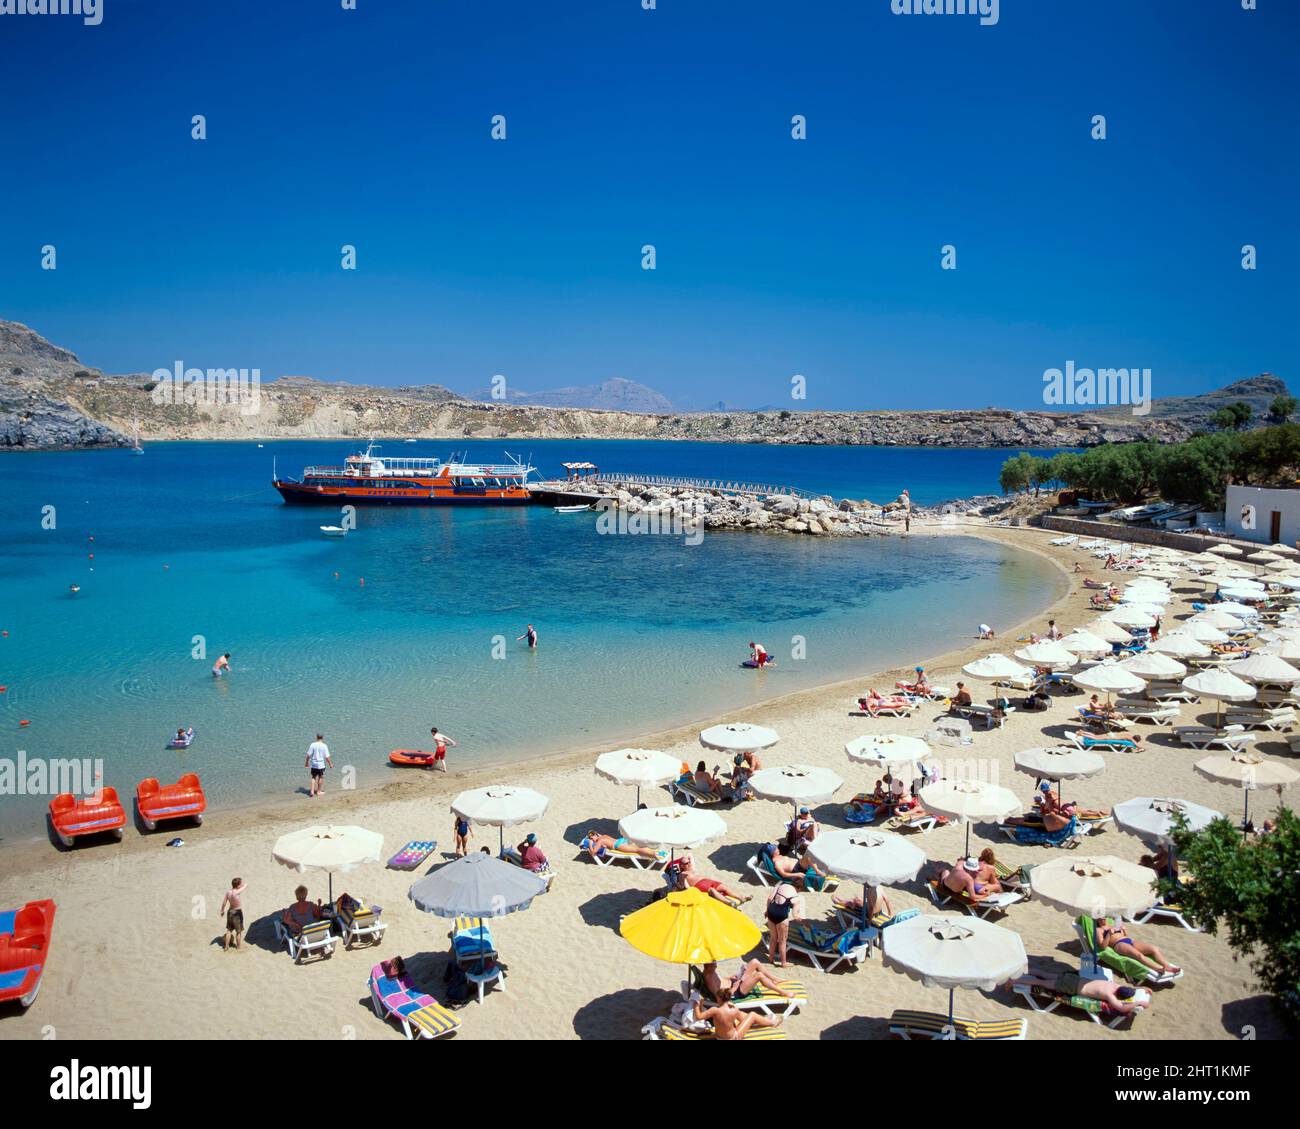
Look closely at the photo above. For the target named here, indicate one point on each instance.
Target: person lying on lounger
(1050, 815)
(722, 989)
(302, 913)
(687, 876)
(1111, 934)
(1119, 998)
(729, 1022)
(792, 870)
(598, 846)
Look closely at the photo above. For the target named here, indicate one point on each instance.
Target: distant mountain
(1195, 411)
(614, 395)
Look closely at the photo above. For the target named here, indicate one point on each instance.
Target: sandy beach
(136, 947)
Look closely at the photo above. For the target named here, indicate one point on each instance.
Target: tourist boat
(136, 449)
(571, 509)
(369, 479)
(333, 531)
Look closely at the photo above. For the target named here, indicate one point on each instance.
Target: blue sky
(669, 127)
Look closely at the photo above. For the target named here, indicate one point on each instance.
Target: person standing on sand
(531, 635)
(440, 743)
(221, 666)
(318, 760)
(232, 905)
(463, 833)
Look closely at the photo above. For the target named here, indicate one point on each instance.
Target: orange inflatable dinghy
(410, 758)
(24, 946)
(71, 817)
(158, 803)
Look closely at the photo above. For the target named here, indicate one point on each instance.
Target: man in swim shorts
(440, 743)
(1118, 997)
(221, 666)
(318, 760)
(758, 655)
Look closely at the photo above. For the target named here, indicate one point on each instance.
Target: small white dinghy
(570, 509)
(333, 531)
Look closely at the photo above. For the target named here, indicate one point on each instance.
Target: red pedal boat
(158, 803)
(24, 947)
(71, 817)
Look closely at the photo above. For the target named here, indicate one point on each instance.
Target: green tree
(1251, 887)
(1014, 476)
(1269, 455)
(1282, 408)
(1232, 417)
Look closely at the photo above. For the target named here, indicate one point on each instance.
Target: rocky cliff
(50, 399)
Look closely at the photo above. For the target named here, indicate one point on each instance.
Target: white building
(1263, 513)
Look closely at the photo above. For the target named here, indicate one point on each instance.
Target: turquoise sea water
(193, 548)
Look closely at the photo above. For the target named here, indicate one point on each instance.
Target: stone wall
(1142, 535)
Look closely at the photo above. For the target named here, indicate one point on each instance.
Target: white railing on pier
(720, 485)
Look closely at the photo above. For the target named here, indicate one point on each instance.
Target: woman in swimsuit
(462, 831)
(741, 983)
(729, 1022)
(598, 845)
(688, 876)
(1113, 935)
(790, 869)
(707, 782)
(784, 903)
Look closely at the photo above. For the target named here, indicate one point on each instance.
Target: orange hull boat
(24, 947)
(159, 803)
(410, 758)
(71, 817)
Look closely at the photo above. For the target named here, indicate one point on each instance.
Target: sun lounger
(1163, 908)
(1070, 540)
(1093, 963)
(1031, 835)
(511, 855)
(894, 706)
(610, 855)
(849, 917)
(1170, 692)
(1015, 879)
(862, 809)
(1101, 720)
(1083, 740)
(688, 793)
(358, 921)
(762, 869)
(1154, 712)
(917, 819)
(420, 1016)
(984, 907)
(827, 949)
(764, 999)
(1232, 737)
(411, 855)
(471, 940)
(1046, 1000)
(24, 948)
(314, 938)
(933, 1025)
(1275, 719)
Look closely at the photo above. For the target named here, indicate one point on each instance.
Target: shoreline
(283, 806)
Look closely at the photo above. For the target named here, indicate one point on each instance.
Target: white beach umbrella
(870, 857)
(1222, 550)
(795, 784)
(997, 667)
(1241, 611)
(1201, 631)
(642, 768)
(1111, 632)
(1287, 649)
(1219, 686)
(1180, 645)
(739, 737)
(1239, 592)
(1247, 770)
(1129, 617)
(1085, 644)
(1048, 653)
(950, 952)
(1060, 762)
(1152, 666)
(1151, 818)
(333, 849)
(889, 752)
(675, 826)
(500, 806)
(1266, 670)
(1110, 678)
(968, 801)
(1267, 556)
(1216, 618)
(1101, 886)
(873, 858)
(1291, 583)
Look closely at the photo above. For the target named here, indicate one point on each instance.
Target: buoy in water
(23, 723)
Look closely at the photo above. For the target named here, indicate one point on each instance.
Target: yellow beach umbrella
(689, 927)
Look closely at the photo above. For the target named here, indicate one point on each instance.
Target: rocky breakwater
(688, 509)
